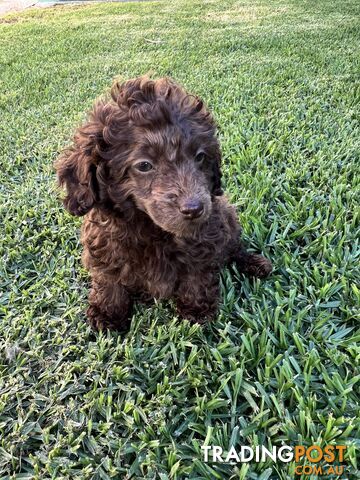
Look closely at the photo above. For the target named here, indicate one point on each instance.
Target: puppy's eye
(144, 166)
(200, 157)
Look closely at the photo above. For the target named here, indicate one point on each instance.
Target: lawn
(281, 362)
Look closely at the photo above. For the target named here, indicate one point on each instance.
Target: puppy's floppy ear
(216, 174)
(76, 166)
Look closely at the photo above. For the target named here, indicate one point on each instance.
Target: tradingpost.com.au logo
(320, 459)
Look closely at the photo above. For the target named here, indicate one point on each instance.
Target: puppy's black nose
(192, 208)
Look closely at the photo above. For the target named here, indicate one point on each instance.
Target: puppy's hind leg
(109, 305)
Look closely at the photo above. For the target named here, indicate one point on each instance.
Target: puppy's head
(151, 147)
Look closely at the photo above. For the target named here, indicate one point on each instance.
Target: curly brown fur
(145, 169)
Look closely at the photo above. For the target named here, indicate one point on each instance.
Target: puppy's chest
(162, 266)
(165, 257)
(179, 256)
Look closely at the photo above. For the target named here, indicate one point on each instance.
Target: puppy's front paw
(99, 320)
(259, 266)
(196, 315)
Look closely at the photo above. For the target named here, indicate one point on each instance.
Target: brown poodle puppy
(145, 169)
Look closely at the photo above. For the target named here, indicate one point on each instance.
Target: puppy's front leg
(197, 296)
(110, 305)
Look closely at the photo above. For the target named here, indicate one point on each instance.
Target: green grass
(281, 362)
